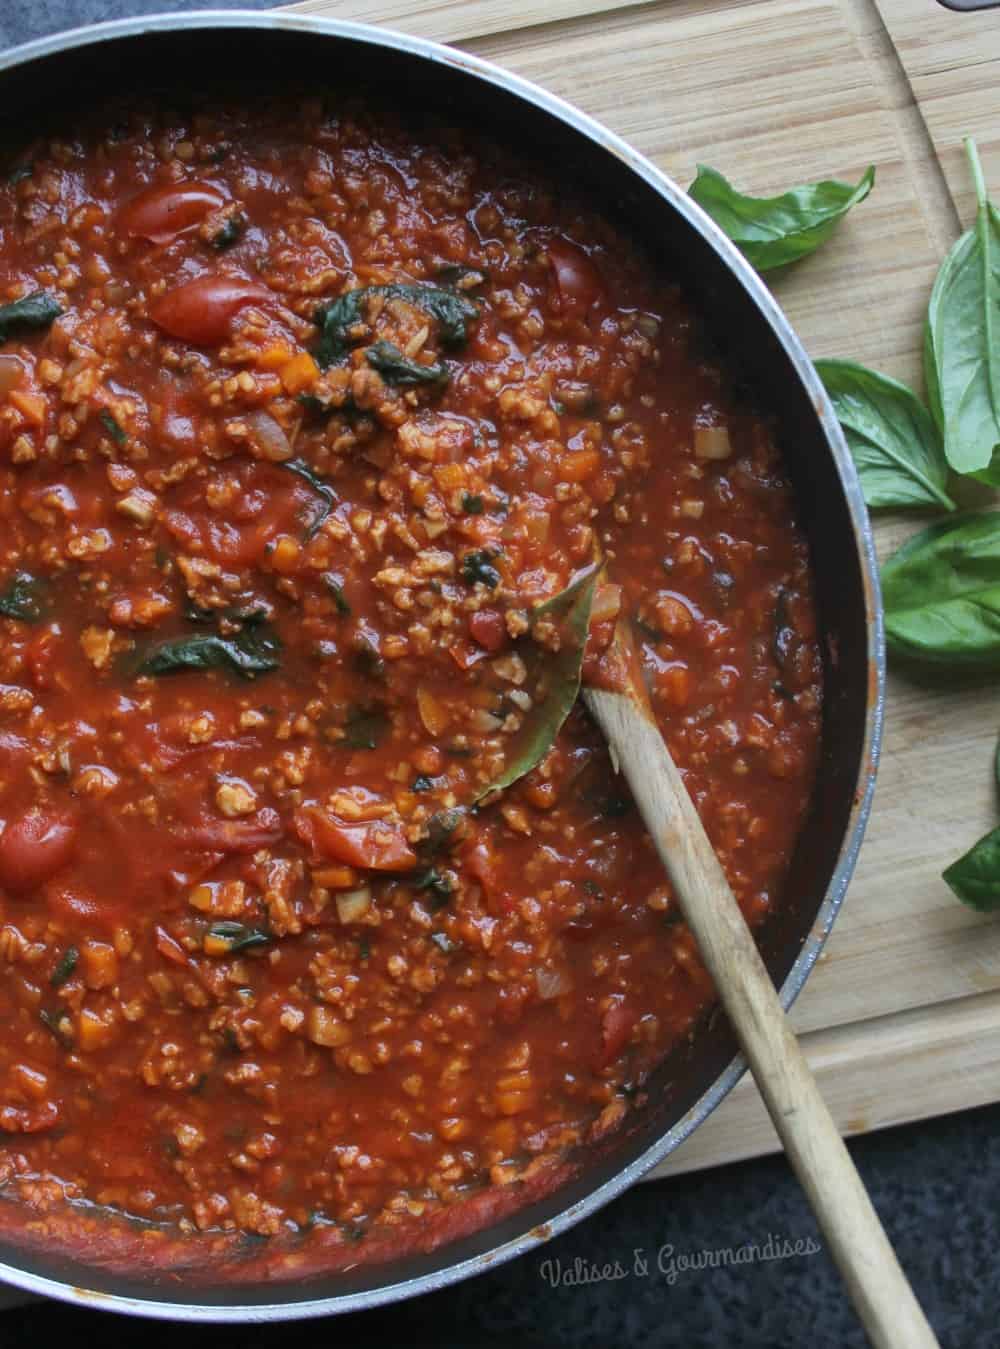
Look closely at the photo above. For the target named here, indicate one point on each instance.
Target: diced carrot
(30, 405)
(579, 465)
(273, 358)
(449, 476)
(298, 374)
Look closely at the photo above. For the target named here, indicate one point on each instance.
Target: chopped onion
(712, 442)
(352, 905)
(268, 437)
(433, 713)
(607, 603)
(485, 721)
(551, 984)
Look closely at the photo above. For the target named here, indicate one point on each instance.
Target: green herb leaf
(339, 320)
(439, 885)
(321, 488)
(942, 593)
(553, 677)
(478, 566)
(365, 727)
(65, 967)
(34, 313)
(237, 936)
(975, 878)
(20, 599)
(892, 438)
(253, 651)
(111, 426)
(60, 1023)
(773, 231)
(230, 231)
(394, 367)
(472, 505)
(962, 342)
(335, 586)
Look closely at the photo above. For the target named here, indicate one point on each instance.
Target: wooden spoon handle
(878, 1288)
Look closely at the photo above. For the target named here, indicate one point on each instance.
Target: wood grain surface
(774, 92)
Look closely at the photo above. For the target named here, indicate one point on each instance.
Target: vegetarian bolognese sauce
(323, 913)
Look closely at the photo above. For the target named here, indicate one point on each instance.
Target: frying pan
(48, 82)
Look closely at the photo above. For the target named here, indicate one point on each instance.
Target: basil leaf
(892, 438)
(962, 342)
(553, 677)
(773, 231)
(394, 367)
(452, 312)
(33, 313)
(253, 651)
(942, 593)
(321, 488)
(20, 599)
(975, 878)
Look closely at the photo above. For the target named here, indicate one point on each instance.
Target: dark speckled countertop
(936, 1185)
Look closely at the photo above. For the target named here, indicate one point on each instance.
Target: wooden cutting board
(901, 1018)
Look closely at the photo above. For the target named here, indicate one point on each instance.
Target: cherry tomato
(161, 213)
(578, 282)
(201, 311)
(616, 1027)
(29, 1119)
(374, 846)
(489, 629)
(34, 846)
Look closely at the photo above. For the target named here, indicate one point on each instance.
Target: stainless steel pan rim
(698, 221)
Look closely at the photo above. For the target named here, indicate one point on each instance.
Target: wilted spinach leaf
(21, 599)
(395, 368)
(254, 650)
(65, 967)
(365, 727)
(33, 313)
(237, 936)
(452, 312)
(320, 487)
(478, 566)
(773, 231)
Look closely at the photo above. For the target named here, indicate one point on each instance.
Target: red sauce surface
(262, 969)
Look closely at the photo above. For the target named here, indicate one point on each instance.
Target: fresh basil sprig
(942, 593)
(773, 231)
(962, 341)
(975, 877)
(892, 438)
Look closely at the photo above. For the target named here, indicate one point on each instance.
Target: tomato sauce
(327, 412)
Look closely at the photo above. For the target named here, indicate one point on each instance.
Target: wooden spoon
(878, 1287)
